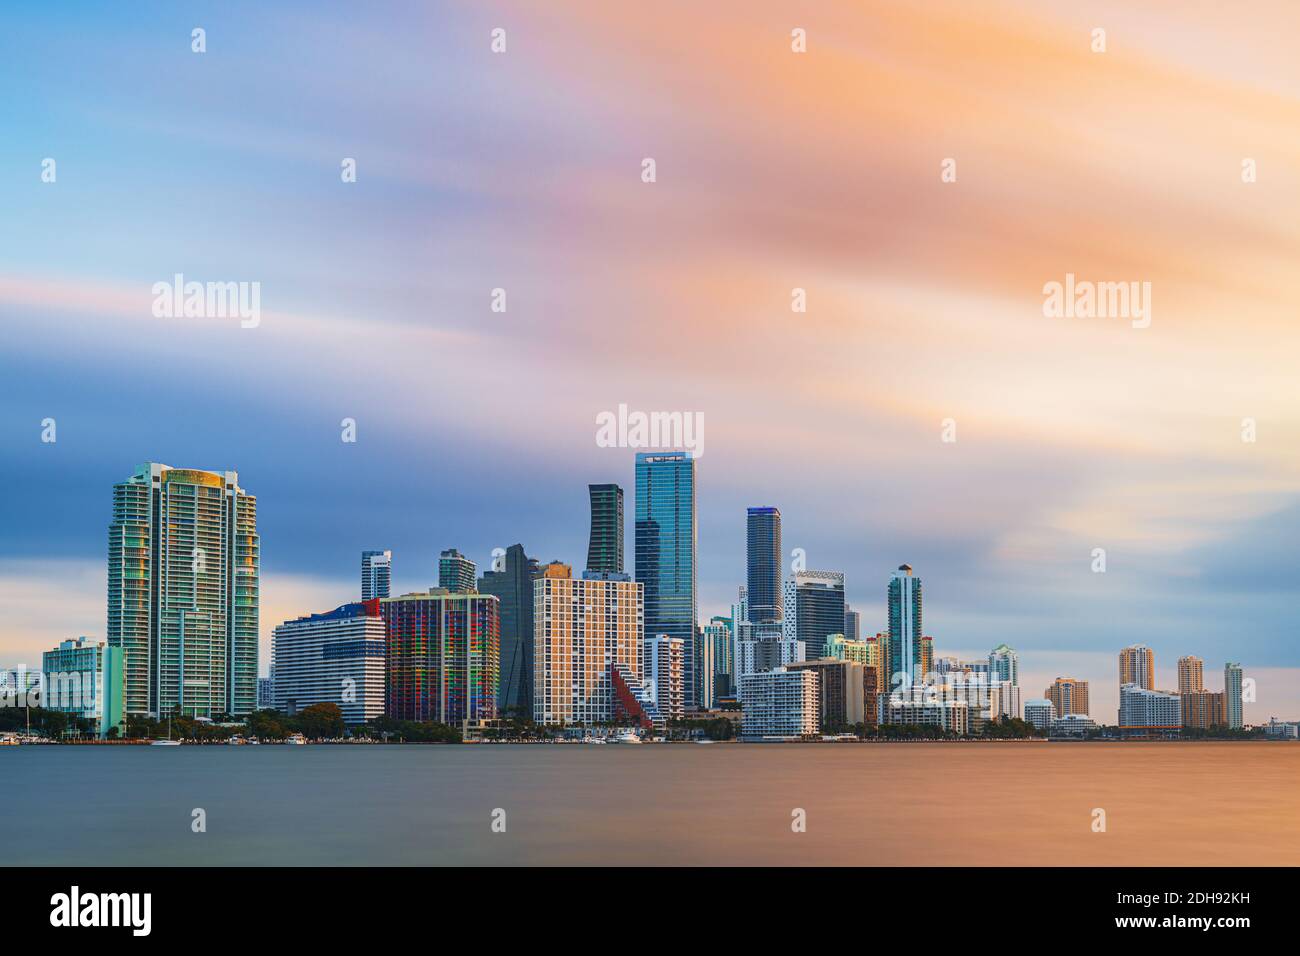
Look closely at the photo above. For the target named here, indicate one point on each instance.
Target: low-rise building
(84, 678)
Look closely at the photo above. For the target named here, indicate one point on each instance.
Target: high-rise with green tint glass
(183, 565)
(665, 550)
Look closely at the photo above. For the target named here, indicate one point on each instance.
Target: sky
(775, 170)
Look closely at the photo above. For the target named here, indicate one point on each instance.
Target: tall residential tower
(183, 562)
(605, 546)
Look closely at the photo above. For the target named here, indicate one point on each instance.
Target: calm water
(1203, 803)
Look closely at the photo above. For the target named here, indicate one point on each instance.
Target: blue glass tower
(665, 550)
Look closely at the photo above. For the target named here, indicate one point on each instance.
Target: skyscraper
(513, 586)
(605, 546)
(1190, 675)
(585, 629)
(1232, 695)
(376, 574)
(456, 572)
(905, 632)
(1137, 665)
(666, 548)
(718, 634)
(763, 560)
(443, 656)
(814, 609)
(183, 562)
(852, 624)
(1068, 696)
(1004, 664)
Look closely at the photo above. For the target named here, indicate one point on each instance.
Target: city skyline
(455, 570)
(924, 303)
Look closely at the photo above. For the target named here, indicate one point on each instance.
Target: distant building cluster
(537, 641)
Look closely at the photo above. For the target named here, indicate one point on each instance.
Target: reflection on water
(890, 804)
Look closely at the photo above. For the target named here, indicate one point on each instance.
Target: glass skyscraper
(665, 549)
(904, 668)
(814, 609)
(183, 565)
(513, 586)
(763, 553)
(605, 547)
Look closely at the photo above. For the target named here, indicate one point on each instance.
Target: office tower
(846, 692)
(814, 609)
(1004, 664)
(666, 546)
(662, 665)
(852, 624)
(605, 546)
(1137, 665)
(84, 678)
(1040, 713)
(265, 693)
(513, 586)
(718, 634)
(927, 656)
(376, 574)
(1148, 713)
(905, 629)
(585, 630)
(337, 657)
(1068, 696)
(763, 561)
(444, 656)
(1190, 675)
(456, 572)
(1232, 695)
(183, 559)
(780, 703)
(1204, 709)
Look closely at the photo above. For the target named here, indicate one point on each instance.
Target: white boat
(168, 742)
(253, 740)
(593, 740)
(298, 739)
(236, 740)
(705, 741)
(626, 738)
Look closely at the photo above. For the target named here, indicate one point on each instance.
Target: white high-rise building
(333, 658)
(376, 574)
(662, 670)
(780, 703)
(1232, 695)
(1146, 713)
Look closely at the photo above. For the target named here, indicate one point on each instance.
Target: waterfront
(1203, 804)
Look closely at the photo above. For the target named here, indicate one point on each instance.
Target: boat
(236, 740)
(168, 742)
(297, 739)
(593, 740)
(8, 740)
(253, 740)
(704, 740)
(629, 737)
